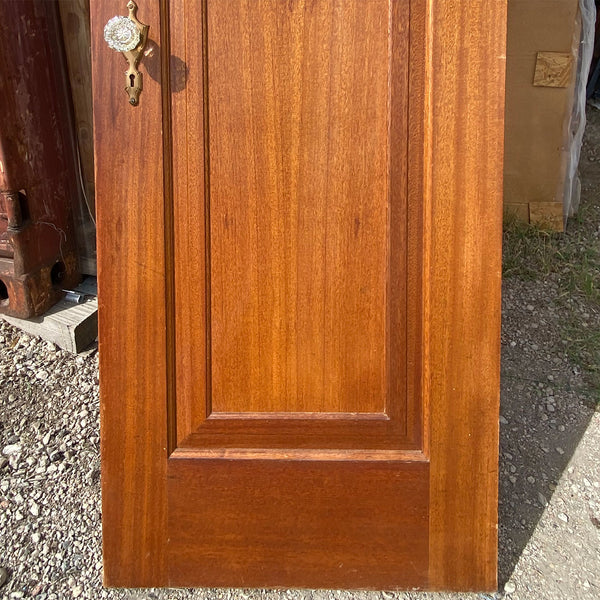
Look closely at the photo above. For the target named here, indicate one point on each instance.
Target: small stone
(560, 450)
(550, 377)
(42, 374)
(542, 499)
(512, 479)
(35, 538)
(550, 408)
(34, 509)
(531, 479)
(563, 517)
(56, 455)
(530, 307)
(11, 449)
(510, 587)
(76, 591)
(503, 420)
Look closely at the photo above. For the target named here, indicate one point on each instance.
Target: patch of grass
(530, 252)
(572, 261)
(583, 349)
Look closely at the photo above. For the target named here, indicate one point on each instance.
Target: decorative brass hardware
(129, 36)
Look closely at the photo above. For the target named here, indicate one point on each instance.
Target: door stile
(466, 108)
(132, 317)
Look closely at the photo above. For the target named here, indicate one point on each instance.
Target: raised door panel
(298, 151)
(293, 289)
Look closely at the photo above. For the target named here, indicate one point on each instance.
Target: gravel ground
(549, 465)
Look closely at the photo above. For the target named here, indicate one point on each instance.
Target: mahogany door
(299, 268)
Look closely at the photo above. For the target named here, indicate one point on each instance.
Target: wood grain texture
(288, 430)
(553, 69)
(131, 282)
(190, 212)
(75, 17)
(264, 166)
(297, 524)
(299, 183)
(466, 88)
(266, 508)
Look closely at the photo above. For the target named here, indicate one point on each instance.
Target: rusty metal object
(38, 176)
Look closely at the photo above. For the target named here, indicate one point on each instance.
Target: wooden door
(299, 268)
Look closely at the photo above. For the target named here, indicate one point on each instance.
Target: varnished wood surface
(299, 183)
(284, 175)
(190, 212)
(298, 524)
(292, 506)
(466, 91)
(268, 430)
(132, 325)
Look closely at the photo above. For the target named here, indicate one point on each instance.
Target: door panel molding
(321, 454)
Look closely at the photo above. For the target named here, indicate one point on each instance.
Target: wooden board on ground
(72, 327)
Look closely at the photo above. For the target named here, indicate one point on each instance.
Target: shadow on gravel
(542, 423)
(546, 399)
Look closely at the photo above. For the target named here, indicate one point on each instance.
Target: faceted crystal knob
(129, 36)
(122, 34)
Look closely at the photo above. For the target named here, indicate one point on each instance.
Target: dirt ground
(549, 457)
